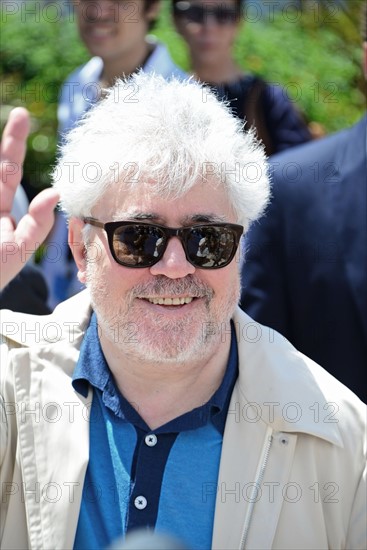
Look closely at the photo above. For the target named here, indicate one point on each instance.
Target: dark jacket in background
(279, 125)
(305, 273)
(26, 293)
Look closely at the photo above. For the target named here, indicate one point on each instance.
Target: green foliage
(38, 49)
(313, 50)
(315, 53)
(317, 67)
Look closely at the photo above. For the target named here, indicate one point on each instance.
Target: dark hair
(238, 3)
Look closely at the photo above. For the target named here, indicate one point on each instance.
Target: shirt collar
(92, 369)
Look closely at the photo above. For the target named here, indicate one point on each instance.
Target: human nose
(108, 7)
(210, 20)
(173, 263)
(99, 10)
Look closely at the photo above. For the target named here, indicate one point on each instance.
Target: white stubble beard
(158, 339)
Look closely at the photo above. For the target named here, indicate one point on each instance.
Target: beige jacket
(291, 472)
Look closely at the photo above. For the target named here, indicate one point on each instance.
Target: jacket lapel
(53, 424)
(275, 398)
(247, 499)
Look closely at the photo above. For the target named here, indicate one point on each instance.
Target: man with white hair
(150, 399)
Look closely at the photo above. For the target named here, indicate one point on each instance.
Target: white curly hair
(176, 133)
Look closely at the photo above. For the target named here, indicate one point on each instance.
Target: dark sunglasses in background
(196, 13)
(138, 244)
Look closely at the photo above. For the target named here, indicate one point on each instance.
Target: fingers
(18, 245)
(35, 226)
(12, 153)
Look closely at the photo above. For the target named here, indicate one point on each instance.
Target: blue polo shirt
(163, 479)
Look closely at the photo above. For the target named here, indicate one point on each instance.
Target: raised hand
(34, 227)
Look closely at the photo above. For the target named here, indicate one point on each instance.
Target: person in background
(210, 27)
(151, 400)
(306, 260)
(115, 33)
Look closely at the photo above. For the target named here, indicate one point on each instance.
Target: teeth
(101, 32)
(170, 301)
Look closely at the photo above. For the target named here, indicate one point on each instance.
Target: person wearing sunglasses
(150, 400)
(209, 28)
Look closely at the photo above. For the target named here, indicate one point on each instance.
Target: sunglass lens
(195, 14)
(211, 247)
(225, 16)
(138, 245)
(201, 14)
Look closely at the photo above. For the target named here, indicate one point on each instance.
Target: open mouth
(99, 31)
(171, 301)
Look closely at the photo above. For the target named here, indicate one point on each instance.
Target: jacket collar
(277, 384)
(67, 323)
(160, 61)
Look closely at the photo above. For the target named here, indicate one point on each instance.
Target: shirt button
(151, 440)
(140, 502)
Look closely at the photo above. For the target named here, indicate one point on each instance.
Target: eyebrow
(157, 218)
(132, 216)
(205, 218)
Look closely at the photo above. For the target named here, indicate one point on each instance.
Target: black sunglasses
(199, 14)
(138, 244)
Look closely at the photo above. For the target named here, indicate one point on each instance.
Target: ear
(76, 243)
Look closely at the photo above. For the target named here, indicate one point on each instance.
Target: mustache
(162, 286)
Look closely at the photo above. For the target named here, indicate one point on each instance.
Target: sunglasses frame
(180, 232)
(220, 13)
